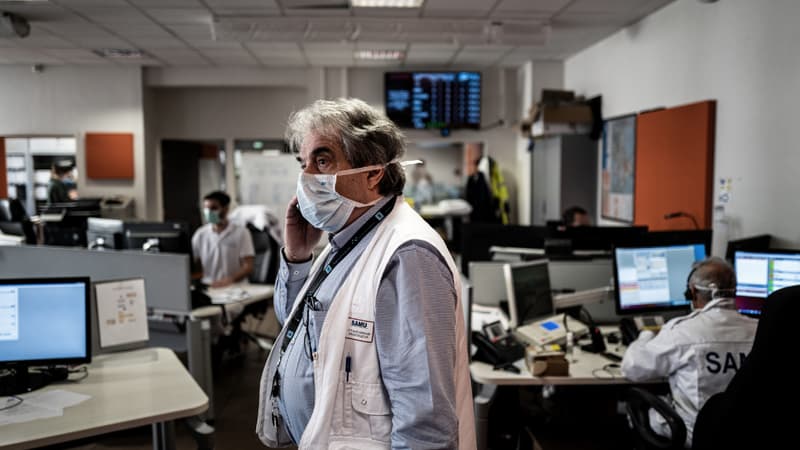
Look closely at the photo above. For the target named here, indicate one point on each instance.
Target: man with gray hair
(698, 353)
(373, 350)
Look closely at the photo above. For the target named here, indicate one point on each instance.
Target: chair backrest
(267, 250)
(12, 210)
(638, 403)
(764, 380)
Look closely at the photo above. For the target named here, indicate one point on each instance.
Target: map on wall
(619, 166)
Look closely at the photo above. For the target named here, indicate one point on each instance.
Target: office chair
(638, 403)
(752, 411)
(14, 220)
(265, 271)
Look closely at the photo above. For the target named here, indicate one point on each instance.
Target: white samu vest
(354, 412)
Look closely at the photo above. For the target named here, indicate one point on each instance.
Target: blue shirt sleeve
(291, 277)
(415, 339)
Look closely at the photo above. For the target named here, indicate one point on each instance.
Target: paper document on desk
(482, 315)
(225, 296)
(41, 405)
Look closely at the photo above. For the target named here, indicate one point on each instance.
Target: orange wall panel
(675, 166)
(109, 156)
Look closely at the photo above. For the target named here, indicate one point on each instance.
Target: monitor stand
(21, 380)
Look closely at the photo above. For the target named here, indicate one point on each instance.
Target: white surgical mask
(320, 204)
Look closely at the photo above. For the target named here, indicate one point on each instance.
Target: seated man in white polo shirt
(223, 249)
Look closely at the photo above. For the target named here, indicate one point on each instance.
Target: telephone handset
(629, 330)
(495, 346)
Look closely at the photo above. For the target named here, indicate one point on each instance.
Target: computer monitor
(164, 237)
(760, 243)
(43, 322)
(760, 274)
(528, 291)
(653, 279)
(105, 234)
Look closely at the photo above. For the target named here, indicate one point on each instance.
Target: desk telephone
(496, 346)
(630, 327)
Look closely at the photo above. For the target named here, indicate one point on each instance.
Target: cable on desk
(14, 402)
(606, 369)
(82, 369)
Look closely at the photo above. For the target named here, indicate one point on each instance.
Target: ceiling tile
(329, 46)
(226, 53)
(214, 45)
(74, 55)
(317, 12)
(235, 61)
(42, 39)
(460, 8)
(180, 15)
(605, 6)
(93, 3)
(165, 3)
(146, 43)
(192, 31)
(120, 15)
(529, 9)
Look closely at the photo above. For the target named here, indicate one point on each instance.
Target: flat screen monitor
(43, 321)
(155, 237)
(434, 100)
(105, 234)
(760, 243)
(760, 274)
(653, 279)
(528, 291)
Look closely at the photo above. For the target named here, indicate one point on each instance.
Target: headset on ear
(687, 294)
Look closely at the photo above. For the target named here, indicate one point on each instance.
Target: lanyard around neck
(309, 298)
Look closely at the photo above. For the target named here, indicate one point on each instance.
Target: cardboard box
(546, 363)
(573, 118)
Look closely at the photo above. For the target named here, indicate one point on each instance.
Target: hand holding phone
(300, 237)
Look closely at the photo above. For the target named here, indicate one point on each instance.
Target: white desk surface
(584, 369)
(128, 390)
(252, 293)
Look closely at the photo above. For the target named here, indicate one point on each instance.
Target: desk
(128, 390)
(199, 326)
(234, 297)
(585, 369)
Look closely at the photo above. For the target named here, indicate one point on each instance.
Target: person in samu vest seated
(700, 352)
(373, 349)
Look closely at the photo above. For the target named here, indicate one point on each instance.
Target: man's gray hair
(366, 136)
(713, 278)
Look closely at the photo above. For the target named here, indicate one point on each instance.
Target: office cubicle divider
(166, 275)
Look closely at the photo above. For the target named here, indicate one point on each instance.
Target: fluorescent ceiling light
(386, 3)
(120, 53)
(379, 55)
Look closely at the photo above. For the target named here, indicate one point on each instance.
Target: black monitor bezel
(410, 126)
(508, 278)
(87, 321)
(655, 309)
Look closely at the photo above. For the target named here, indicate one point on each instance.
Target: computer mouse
(612, 338)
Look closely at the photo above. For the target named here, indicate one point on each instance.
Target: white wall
(742, 53)
(217, 113)
(75, 100)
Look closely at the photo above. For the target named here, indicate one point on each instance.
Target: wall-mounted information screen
(434, 100)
